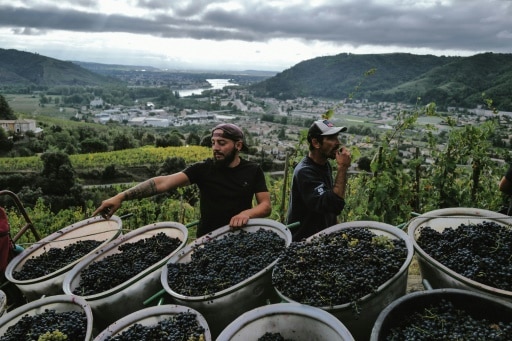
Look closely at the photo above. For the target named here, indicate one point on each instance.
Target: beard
(226, 161)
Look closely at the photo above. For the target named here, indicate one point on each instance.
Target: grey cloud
(463, 25)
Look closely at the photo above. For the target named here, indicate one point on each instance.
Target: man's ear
(239, 145)
(315, 142)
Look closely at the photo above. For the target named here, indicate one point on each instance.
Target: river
(216, 84)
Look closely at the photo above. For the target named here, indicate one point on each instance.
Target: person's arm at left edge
(505, 186)
(262, 209)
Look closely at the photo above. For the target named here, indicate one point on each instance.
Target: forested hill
(448, 81)
(18, 68)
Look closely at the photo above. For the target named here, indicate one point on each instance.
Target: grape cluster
(226, 261)
(56, 335)
(43, 326)
(118, 268)
(444, 321)
(54, 259)
(268, 336)
(182, 326)
(339, 267)
(480, 252)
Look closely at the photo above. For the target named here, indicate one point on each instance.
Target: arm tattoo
(143, 190)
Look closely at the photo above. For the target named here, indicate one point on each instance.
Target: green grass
(29, 105)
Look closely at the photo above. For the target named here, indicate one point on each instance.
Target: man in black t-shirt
(227, 184)
(316, 199)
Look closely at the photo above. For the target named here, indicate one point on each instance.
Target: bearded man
(227, 185)
(316, 196)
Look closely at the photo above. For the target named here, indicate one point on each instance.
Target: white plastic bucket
(95, 228)
(372, 304)
(478, 305)
(151, 316)
(59, 303)
(438, 275)
(222, 307)
(292, 321)
(127, 297)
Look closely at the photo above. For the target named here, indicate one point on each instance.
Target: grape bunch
(444, 321)
(55, 335)
(223, 262)
(48, 325)
(182, 326)
(118, 268)
(268, 336)
(339, 267)
(480, 252)
(54, 259)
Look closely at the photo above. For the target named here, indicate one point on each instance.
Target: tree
(364, 163)
(6, 112)
(93, 145)
(5, 143)
(193, 139)
(122, 141)
(169, 140)
(58, 182)
(172, 165)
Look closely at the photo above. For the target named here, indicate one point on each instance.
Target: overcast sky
(250, 34)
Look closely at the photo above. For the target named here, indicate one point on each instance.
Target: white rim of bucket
(283, 308)
(114, 244)
(3, 302)
(372, 225)
(459, 213)
(252, 224)
(138, 317)
(9, 272)
(15, 315)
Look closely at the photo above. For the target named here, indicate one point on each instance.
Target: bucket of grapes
(227, 272)
(58, 317)
(352, 270)
(444, 314)
(161, 322)
(117, 279)
(39, 270)
(286, 321)
(465, 248)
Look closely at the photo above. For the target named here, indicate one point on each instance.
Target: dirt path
(414, 278)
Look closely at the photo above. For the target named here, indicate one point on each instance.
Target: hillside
(448, 81)
(18, 68)
(394, 77)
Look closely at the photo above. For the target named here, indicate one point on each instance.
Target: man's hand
(108, 207)
(343, 158)
(240, 220)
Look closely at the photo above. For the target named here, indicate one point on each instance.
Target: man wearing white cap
(316, 199)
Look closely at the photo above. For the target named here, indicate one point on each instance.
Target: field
(29, 105)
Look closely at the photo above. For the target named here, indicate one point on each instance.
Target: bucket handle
(159, 295)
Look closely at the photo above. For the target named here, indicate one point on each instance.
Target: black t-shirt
(224, 192)
(313, 202)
